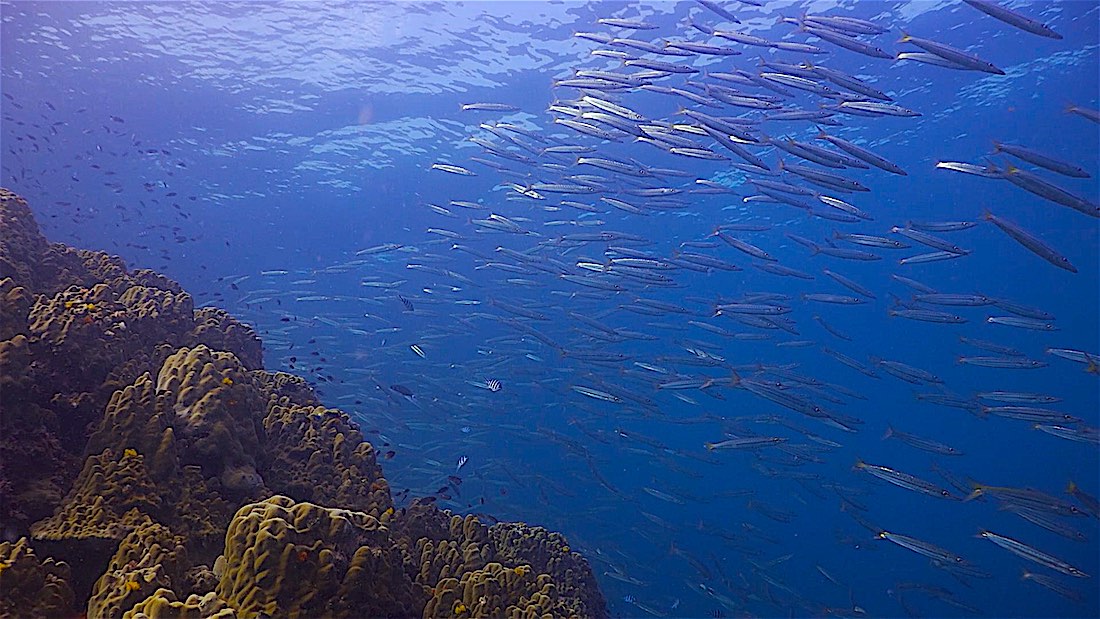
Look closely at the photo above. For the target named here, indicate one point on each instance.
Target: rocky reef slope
(150, 467)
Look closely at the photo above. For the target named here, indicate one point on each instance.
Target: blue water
(218, 142)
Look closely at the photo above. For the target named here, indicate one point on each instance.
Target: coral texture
(167, 474)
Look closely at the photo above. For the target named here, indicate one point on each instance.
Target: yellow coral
(460, 608)
(129, 453)
(89, 307)
(227, 381)
(69, 304)
(131, 585)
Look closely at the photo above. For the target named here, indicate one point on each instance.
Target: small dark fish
(403, 390)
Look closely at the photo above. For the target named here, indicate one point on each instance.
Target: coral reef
(165, 473)
(30, 587)
(299, 559)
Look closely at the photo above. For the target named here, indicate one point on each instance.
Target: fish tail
(889, 432)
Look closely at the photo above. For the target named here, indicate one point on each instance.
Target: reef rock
(167, 474)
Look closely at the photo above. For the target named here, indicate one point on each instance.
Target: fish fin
(1092, 366)
(889, 432)
(1071, 487)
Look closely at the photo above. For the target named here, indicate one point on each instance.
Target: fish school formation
(691, 314)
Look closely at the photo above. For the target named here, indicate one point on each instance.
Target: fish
(1031, 553)
(596, 394)
(1013, 18)
(746, 443)
(453, 169)
(629, 24)
(1041, 160)
(905, 480)
(863, 154)
(1083, 112)
(490, 107)
(403, 390)
(952, 54)
(1010, 363)
(923, 548)
(1046, 190)
(1087, 501)
(924, 444)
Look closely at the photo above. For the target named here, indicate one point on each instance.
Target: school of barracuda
(528, 246)
(568, 275)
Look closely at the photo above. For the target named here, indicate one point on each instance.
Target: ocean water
(276, 159)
